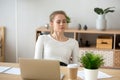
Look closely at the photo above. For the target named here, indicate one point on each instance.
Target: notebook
(34, 69)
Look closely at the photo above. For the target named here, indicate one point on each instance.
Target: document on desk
(15, 71)
(61, 76)
(4, 68)
(100, 75)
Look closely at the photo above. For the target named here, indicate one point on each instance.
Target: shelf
(93, 48)
(84, 31)
(117, 49)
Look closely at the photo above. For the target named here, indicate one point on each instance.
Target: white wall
(34, 13)
(8, 19)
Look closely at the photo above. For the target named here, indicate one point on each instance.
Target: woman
(57, 46)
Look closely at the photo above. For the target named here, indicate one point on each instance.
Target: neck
(59, 36)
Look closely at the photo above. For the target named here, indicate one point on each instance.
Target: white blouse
(49, 48)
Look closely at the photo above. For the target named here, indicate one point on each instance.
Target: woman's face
(59, 23)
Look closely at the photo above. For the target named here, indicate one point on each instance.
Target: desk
(115, 73)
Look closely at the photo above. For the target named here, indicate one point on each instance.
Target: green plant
(90, 60)
(101, 11)
(68, 19)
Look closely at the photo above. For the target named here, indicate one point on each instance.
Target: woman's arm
(39, 48)
(75, 53)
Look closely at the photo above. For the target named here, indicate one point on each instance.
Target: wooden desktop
(115, 73)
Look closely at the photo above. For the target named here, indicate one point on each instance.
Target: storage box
(104, 42)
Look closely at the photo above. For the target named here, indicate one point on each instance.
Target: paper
(100, 75)
(13, 71)
(61, 76)
(4, 68)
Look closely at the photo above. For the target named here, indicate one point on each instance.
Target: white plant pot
(101, 22)
(90, 74)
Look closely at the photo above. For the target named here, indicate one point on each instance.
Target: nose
(61, 23)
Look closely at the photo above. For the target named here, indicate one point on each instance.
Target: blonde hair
(53, 14)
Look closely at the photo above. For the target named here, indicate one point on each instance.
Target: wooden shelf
(117, 49)
(94, 48)
(84, 31)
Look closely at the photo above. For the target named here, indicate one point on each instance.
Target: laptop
(35, 69)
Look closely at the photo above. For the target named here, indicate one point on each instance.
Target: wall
(8, 19)
(32, 14)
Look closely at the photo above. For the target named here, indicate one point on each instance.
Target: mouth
(62, 28)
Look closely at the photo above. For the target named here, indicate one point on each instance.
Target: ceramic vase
(101, 23)
(90, 74)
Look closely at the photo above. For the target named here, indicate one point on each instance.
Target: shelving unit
(2, 44)
(112, 56)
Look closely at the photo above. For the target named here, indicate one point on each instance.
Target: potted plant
(68, 19)
(91, 63)
(101, 22)
(101, 11)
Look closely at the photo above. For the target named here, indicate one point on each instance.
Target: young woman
(57, 46)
